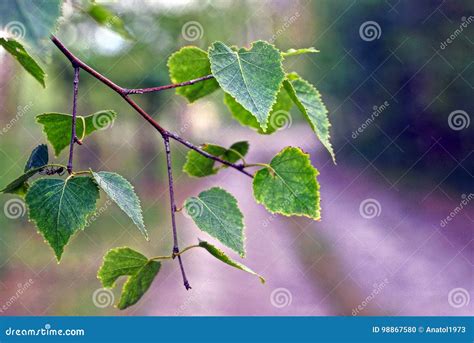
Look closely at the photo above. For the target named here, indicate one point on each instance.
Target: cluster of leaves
(255, 89)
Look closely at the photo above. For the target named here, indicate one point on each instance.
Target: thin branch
(173, 211)
(73, 122)
(171, 86)
(239, 167)
(123, 93)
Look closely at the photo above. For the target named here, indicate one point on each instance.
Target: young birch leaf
(59, 208)
(236, 152)
(33, 20)
(220, 255)
(215, 211)
(38, 158)
(57, 126)
(308, 100)
(127, 262)
(20, 185)
(252, 77)
(26, 61)
(187, 64)
(279, 115)
(122, 193)
(295, 52)
(36, 163)
(105, 17)
(289, 186)
(199, 166)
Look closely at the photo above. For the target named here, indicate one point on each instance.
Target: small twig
(173, 210)
(171, 86)
(74, 114)
(169, 257)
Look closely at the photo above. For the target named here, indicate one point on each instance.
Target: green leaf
(57, 126)
(279, 115)
(31, 20)
(236, 152)
(220, 255)
(21, 55)
(252, 77)
(19, 185)
(215, 211)
(127, 262)
(38, 158)
(289, 186)
(60, 208)
(308, 100)
(295, 52)
(187, 64)
(199, 166)
(36, 162)
(107, 18)
(122, 193)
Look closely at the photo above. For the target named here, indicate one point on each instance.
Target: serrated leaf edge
(316, 173)
(274, 98)
(244, 237)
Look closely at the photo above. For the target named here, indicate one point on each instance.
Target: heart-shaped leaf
(216, 212)
(60, 208)
(127, 262)
(289, 186)
(253, 77)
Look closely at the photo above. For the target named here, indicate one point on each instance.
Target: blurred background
(397, 78)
